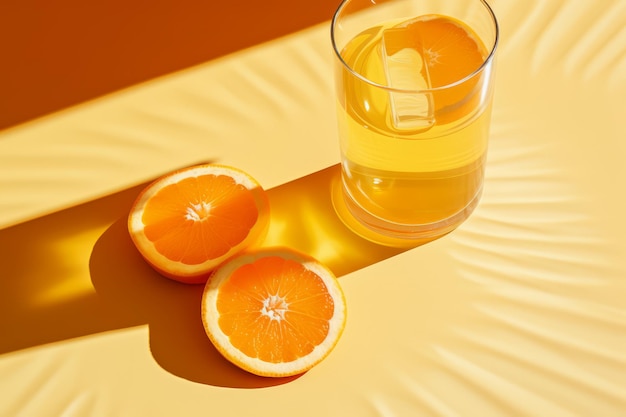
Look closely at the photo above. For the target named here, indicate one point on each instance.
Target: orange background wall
(57, 53)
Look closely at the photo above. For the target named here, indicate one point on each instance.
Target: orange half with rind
(188, 222)
(274, 311)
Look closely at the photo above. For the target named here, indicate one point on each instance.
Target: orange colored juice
(413, 124)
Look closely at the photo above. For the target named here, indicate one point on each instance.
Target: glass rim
(486, 61)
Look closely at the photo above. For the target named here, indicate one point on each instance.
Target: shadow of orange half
(172, 311)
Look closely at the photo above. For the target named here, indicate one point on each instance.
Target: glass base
(387, 233)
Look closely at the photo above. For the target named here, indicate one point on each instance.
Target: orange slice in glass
(188, 222)
(451, 54)
(273, 312)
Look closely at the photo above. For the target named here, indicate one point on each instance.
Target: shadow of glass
(118, 289)
(303, 217)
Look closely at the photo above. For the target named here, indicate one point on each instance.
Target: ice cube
(405, 71)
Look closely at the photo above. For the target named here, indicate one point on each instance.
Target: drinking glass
(414, 88)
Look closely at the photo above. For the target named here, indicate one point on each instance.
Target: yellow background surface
(519, 312)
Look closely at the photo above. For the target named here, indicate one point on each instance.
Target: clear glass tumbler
(414, 87)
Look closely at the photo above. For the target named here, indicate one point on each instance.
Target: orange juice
(413, 116)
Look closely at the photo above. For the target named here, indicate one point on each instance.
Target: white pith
(198, 212)
(275, 307)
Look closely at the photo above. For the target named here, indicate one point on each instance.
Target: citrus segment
(273, 312)
(451, 53)
(188, 222)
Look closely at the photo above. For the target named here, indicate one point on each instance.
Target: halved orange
(188, 222)
(274, 311)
